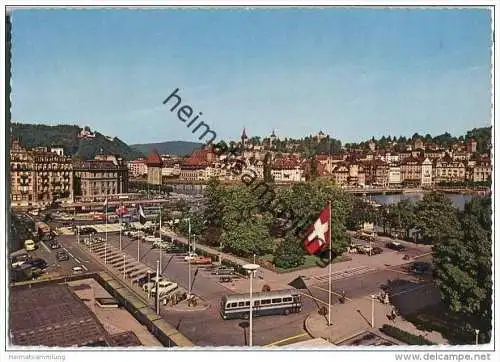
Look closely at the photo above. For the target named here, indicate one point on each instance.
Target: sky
(353, 73)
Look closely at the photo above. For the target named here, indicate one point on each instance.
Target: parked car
(164, 287)
(54, 245)
(38, 263)
(376, 250)
(62, 256)
(420, 267)
(364, 249)
(77, 270)
(145, 279)
(18, 260)
(149, 286)
(161, 244)
(175, 249)
(190, 256)
(87, 231)
(221, 270)
(395, 246)
(201, 260)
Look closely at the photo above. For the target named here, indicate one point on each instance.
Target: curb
(305, 325)
(173, 309)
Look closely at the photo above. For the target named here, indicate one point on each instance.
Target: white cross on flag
(318, 234)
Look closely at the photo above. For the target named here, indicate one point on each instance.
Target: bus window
(241, 304)
(276, 300)
(247, 303)
(266, 301)
(228, 305)
(256, 304)
(287, 300)
(233, 305)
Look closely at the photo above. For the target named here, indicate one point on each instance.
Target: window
(276, 300)
(233, 305)
(287, 300)
(247, 303)
(266, 301)
(241, 304)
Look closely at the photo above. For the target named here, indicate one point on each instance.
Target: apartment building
(137, 168)
(38, 176)
(95, 179)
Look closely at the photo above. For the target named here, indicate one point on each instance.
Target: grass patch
(440, 319)
(405, 337)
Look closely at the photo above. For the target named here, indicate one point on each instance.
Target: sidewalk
(354, 317)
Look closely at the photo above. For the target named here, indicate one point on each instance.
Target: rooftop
(51, 315)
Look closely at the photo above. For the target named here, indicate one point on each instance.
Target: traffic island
(187, 306)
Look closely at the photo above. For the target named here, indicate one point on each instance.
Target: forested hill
(37, 135)
(179, 148)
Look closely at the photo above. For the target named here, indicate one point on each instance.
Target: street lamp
(124, 275)
(251, 268)
(373, 310)
(477, 336)
(149, 282)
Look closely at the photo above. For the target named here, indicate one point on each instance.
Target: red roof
(154, 159)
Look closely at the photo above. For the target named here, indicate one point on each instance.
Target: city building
(471, 145)
(447, 170)
(481, 171)
(38, 176)
(95, 179)
(137, 168)
(411, 171)
(426, 173)
(394, 175)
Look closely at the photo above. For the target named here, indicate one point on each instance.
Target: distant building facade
(38, 176)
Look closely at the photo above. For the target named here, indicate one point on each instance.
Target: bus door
(256, 307)
(297, 304)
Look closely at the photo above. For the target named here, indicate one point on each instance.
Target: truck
(42, 228)
(29, 245)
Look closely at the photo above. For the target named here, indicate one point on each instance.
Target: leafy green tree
(239, 205)
(463, 267)
(289, 253)
(214, 196)
(361, 212)
(436, 218)
(405, 210)
(248, 238)
(197, 224)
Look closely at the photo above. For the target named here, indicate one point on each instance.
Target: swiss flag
(318, 234)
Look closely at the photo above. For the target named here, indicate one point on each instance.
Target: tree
(214, 196)
(406, 216)
(436, 218)
(361, 212)
(463, 266)
(289, 253)
(248, 238)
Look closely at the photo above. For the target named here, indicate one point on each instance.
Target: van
(29, 245)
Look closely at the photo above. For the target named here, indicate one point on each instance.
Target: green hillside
(33, 135)
(179, 148)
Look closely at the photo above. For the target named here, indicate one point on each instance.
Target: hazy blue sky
(352, 73)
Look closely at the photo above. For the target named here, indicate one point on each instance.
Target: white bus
(234, 306)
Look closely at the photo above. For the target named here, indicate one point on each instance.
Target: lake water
(458, 200)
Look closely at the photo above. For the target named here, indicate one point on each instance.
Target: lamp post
(120, 231)
(189, 256)
(477, 336)
(157, 291)
(251, 268)
(373, 310)
(149, 286)
(124, 274)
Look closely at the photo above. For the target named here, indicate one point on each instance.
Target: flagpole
(106, 241)
(161, 243)
(330, 264)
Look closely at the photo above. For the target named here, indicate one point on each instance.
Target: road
(207, 328)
